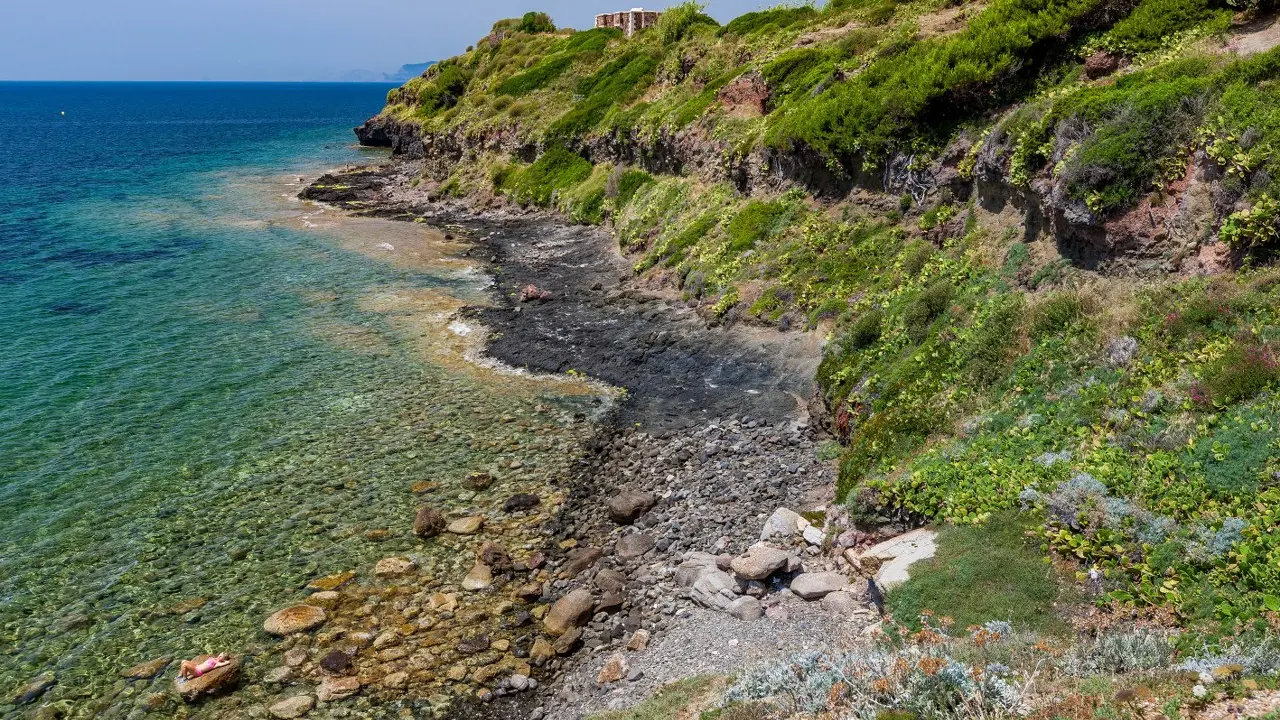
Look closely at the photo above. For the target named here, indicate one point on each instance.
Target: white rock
(783, 522)
(900, 553)
(813, 586)
(813, 535)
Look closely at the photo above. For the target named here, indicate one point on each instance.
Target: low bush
(770, 20)
(1245, 370)
(614, 85)
(1153, 21)
(558, 169)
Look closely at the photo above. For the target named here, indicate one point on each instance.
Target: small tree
(536, 22)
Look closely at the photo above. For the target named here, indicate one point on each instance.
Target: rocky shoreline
(695, 533)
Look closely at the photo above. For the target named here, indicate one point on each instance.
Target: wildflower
(1199, 691)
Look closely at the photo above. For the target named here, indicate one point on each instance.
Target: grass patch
(669, 702)
(984, 573)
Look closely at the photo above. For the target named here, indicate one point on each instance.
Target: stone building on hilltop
(628, 21)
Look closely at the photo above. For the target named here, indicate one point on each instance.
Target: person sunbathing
(189, 669)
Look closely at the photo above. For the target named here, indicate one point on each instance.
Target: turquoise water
(206, 398)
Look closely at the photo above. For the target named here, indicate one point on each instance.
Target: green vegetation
(972, 370)
(981, 574)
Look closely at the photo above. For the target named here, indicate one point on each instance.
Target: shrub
(443, 89)
(610, 87)
(864, 331)
(796, 72)
(679, 22)
(558, 169)
(771, 20)
(927, 305)
(628, 185)
(915, 95)
(756, 221)
(1245, 370)
(1059, 313)
(536, 22)
(1152, 21)
(1112, 653)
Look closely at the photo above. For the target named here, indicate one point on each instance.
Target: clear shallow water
(210, 393)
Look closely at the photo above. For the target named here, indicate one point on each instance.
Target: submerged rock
(34, 689)
(298, 618)
(148, 669)
(294, 707)
(467, 525)
(337, 688)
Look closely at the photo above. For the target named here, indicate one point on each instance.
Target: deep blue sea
(210, 392)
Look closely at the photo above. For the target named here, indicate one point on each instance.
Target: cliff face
(1156, 236)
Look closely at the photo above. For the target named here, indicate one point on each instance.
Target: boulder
(392, 566)
(691, 569)
(813, 535)
(633, 545)
(148, 669)
(215, 681)
(337, 688)
(467, 525)
(429, 522)
(327, 599)
(610, 580)
(478, 481)
(580, 559)
(628, 505)
(294, 707)
(815, 586)
(298, 618)
(783, 523)
(571, 611)
(759, 562)
(566, 642)
(479, 578)
(713, 589)
(746, 608)
(541, 652)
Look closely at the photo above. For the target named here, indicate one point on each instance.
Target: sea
(212, 392)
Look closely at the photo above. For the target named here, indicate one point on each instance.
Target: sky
(263, 39)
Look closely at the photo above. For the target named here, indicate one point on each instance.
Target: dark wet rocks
(337, 662)
(521, 501)
(428, 522)
(34, 689)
